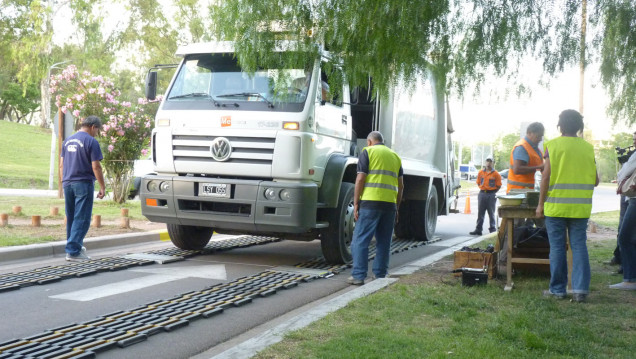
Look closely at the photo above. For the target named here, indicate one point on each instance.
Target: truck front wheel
(336, 239)
(189, 237)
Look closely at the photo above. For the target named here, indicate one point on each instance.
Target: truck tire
(336, 239)
(424, 217)
(189, 237)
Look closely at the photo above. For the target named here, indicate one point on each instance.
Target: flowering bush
(126, 127)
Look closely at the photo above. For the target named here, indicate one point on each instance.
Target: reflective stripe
(523, 184)
(569, 200)
(588, 187)
(381, 185)
(383, 172)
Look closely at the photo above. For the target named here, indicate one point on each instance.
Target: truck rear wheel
(418, 219)
(336, 239)
(189, 237)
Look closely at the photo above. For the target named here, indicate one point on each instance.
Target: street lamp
(48, 117)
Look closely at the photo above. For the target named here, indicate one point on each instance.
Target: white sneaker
(82, 256)
(624, 286)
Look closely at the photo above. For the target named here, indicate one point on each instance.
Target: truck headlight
(285, 195)
(152, 186)
(164, 186)
(271, 194)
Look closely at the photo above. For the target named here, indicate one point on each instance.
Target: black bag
(531, 237)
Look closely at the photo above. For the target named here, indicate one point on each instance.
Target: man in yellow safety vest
(567, 185)
(378, 191)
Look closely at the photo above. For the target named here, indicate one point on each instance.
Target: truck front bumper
(242, 205)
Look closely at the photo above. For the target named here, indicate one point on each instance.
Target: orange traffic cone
(467, 206)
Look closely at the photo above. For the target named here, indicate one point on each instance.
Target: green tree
(502, 147)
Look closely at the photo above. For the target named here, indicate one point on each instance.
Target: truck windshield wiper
(249, 94)
(196, 94)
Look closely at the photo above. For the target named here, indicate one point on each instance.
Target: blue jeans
(372, 222)
(627, 242)
(486, 202)
(78, 199)
(581, 276)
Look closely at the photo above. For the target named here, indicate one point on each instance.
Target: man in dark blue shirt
(80, 167)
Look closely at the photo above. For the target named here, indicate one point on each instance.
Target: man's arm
(399, 197)
(521, 167)
(99, 174)
(545, 182)
(497, 181)
(357, 192)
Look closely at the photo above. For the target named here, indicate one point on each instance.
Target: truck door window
(333, 97)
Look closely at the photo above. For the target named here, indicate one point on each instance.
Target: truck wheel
(189, 237)
(424, 217)
(336, 239)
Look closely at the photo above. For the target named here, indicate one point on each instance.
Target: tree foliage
(465, 42)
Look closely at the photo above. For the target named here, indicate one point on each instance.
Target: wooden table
(508, 214)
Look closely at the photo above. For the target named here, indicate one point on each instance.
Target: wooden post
(124, 223)
(36, 221)
(124, 212)
(97, 220)
(4, 219)
(17, 209)
(54, 211)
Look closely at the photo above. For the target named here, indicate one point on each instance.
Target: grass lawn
(430, 315)
(25, 151)
(606, 219)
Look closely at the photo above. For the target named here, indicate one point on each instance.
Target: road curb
(53, 249)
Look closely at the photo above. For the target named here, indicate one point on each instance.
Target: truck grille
(257, 150)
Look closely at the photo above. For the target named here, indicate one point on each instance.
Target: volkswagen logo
(221, 149)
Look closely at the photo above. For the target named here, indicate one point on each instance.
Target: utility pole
(582, 53)
(47, 113)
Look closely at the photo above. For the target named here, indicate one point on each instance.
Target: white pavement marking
(160, 276)
(250, 347)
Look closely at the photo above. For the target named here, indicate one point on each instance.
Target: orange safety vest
(523, 180)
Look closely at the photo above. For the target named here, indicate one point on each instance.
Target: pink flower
(127, 125)
(111, 148)
(76, 113)
(106, 128)
(121, 132)
(144, 152)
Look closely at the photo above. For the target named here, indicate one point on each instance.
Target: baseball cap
(489, 159)
(91, 121)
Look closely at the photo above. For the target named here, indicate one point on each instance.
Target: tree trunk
(45, 103)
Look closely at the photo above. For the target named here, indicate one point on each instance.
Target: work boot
(492, 230)
(354, 281)
(475, 233)
(549, 294)
(579, 297)
(624, 286)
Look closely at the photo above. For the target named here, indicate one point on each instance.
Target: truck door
(333, 114)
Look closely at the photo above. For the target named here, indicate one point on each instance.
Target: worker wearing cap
(489, 182)
(526, 159)
(80, 167)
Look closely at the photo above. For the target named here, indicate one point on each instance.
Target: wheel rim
(431, 217)
(349, 226)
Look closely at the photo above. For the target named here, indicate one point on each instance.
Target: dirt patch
(55, 229)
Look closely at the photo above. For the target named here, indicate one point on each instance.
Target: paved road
(38, 308)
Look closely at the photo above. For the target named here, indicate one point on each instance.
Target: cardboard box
(476, 260)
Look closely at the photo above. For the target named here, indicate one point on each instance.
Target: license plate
(214, 190)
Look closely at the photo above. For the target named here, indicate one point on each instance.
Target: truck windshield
(217, 78)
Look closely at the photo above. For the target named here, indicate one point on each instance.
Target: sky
(483, 119)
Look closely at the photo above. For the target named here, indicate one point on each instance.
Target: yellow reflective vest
(572, 178)
(381, 183)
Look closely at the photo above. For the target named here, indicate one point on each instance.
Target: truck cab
(274, 151)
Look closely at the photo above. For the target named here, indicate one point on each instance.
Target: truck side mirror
(151, 85)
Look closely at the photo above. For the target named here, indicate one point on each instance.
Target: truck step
(322, 224)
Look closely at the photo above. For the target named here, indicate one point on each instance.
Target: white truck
(234, 154)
